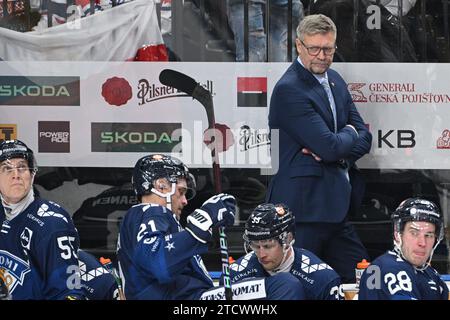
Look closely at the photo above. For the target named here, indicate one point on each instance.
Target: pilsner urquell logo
(116, 91)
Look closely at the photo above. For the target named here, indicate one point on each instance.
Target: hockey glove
(199, 225)
(221, 208)
(216, 211)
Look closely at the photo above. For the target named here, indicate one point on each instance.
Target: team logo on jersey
(238, 267)
(307, 267)
(25, 238)
(12, 269)
(44, 212)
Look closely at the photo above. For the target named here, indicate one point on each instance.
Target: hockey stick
(107, 264)
(188, 85)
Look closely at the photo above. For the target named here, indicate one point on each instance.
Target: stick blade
(178, 80)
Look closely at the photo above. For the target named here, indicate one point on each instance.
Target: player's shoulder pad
(161, 216)
(390, 262)
(312, 258)
(151, 209)
(243, 262)
(48, 213)
(307, 262)
(156, 209)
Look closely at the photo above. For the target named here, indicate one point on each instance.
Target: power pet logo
(39, 91)
(54, 136)
(149, 92)
(8, 132)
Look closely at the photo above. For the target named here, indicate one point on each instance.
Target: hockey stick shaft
(109, 266)
(188, 85)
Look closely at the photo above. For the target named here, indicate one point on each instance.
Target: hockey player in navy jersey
(405, 272)
(96, 281)
(160, 260)
(269, 237)
(38, 241)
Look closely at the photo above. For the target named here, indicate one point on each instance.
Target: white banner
(108, 114)
(111, 35)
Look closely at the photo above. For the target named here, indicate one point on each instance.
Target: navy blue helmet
(11, 149)
(150, 168)
(418, 209)
(269, 221)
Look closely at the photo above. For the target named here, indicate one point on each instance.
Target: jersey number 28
(397, 282)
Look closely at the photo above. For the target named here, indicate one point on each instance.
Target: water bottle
(360, 267)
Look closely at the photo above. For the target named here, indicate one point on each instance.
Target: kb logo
(402, 139)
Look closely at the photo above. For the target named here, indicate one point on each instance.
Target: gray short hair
(315, 24)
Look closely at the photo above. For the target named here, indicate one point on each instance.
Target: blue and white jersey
(38, 253)
(319, 280)
(158, 260)
(390, 277)
(96, 281)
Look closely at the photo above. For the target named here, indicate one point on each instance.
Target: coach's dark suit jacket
(299, 108)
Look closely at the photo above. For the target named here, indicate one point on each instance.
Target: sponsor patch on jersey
(25, 238)
(150, 240)
(44, 211)
(307, 267)
(244, 290)
(87, 276)
(241, 266)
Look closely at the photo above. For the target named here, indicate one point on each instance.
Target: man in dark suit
(321, 135)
